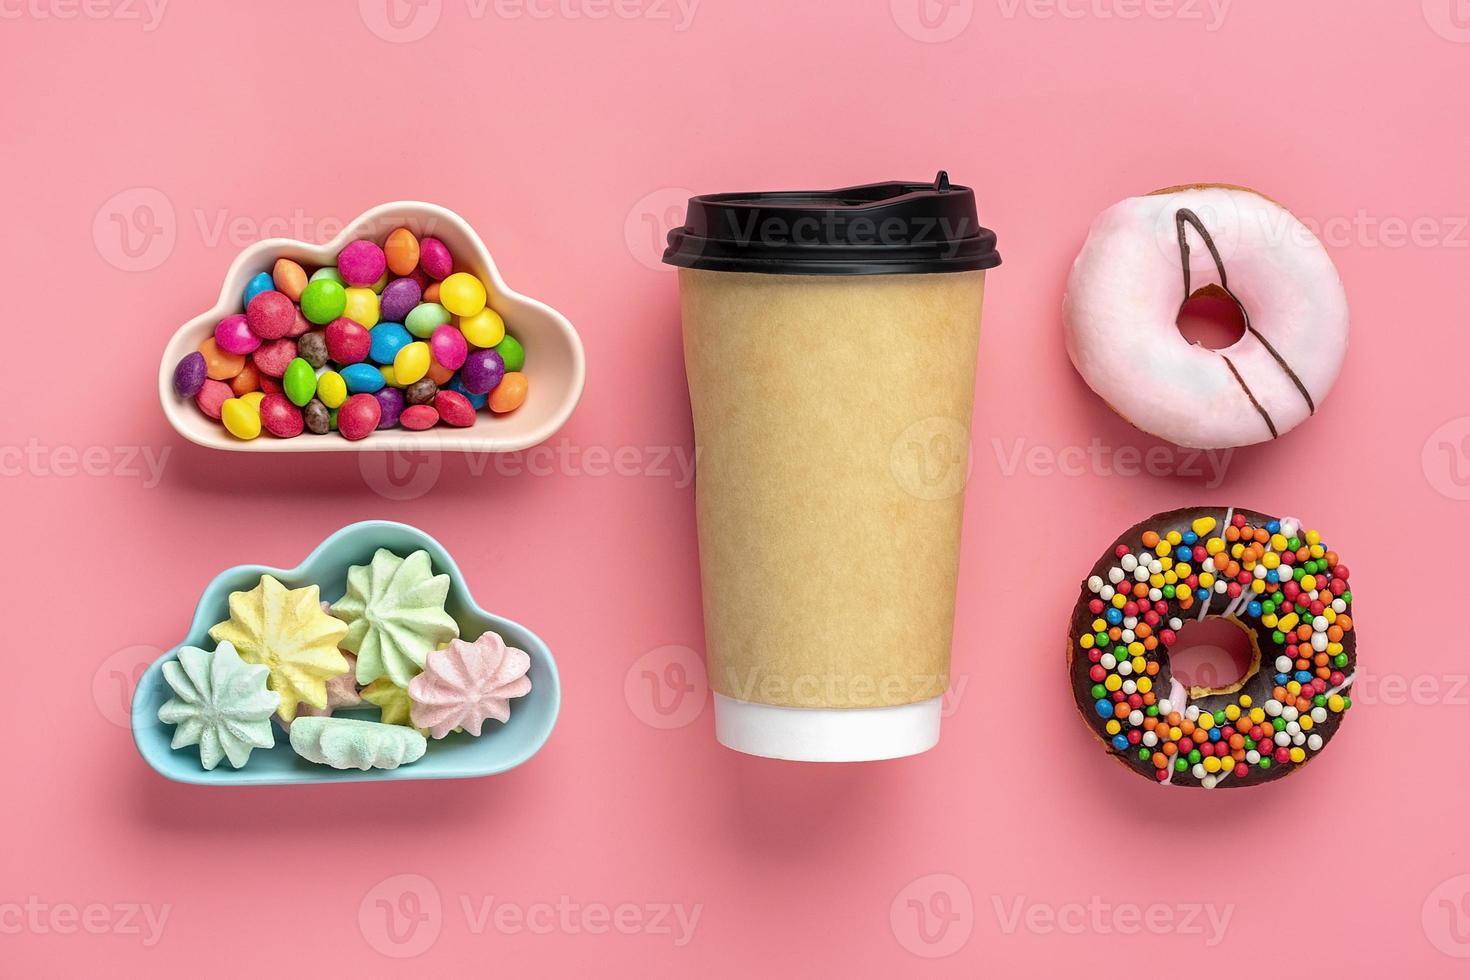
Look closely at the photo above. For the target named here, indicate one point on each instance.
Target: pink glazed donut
(1146, 256)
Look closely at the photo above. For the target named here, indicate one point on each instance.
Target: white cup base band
(827, 734)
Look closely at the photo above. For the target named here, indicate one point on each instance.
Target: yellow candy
(1278, 542)
(240, 418)
(1298, 754)
(1211, 763)
(1203, 525)
(1308, 583)
(1162, 549)
(412, 360)
(1113, 682)
(1139, 664)
(1258, 585)
(1258, 716)
(1214, 546)
(1175, 734)
(1317, 551)
(1293, 688)
(1182, 569)
(1271, 559)
(362, 306)
(1268, 620)
(1232, 711)
(389, 377)
(1174, 538)
(1113, 727)
(483, 329)
(331, 389)
(1145, 684)
(1285, 622)
(1335, 703)
(1314, 538)
(1245, 700)
(1099, 625)
(1135, 649)
(253, 399)
(1086, 642)
(1120, 600)
(1306, 722)
(1206, 580)
(462, 294)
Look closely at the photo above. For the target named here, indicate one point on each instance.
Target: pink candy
(271, 315)
(361, 263)
(449, 347)
(212, 396)
(233, 335)
(434, 258)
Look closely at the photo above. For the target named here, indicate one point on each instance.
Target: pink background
(565, 139)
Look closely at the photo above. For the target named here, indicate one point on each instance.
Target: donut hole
(1211, 318)
(1214, 656)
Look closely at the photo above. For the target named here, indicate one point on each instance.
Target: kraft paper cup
(831, 417)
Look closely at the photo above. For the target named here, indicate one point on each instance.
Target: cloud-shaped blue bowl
(499, 748)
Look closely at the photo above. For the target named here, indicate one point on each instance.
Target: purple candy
(399, 296)
(434, 258)
(391, 402)
(361, 263)
(189, 376)
(482, 371)
(234, 336)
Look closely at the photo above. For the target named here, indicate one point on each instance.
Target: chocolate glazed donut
(1277, 581)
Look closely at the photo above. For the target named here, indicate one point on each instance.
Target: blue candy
(1114, 615)
(1190, 537)
(362, 378)
(1104, 708)
(1119, 742)
(258, 284)
(388, 340)
(478, 401)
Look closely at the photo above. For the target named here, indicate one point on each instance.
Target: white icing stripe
(1345, 682)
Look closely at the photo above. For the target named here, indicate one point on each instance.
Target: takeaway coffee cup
(829, 342)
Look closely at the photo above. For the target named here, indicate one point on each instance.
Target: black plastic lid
(874, 229)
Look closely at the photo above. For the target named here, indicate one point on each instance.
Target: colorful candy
(389, 336)
(190, 375)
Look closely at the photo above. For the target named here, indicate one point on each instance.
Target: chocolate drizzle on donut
(1185, 217)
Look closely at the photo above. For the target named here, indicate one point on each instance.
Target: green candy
(328, 272)
(1180, 765)
(425, 318)
(1099, 692)
(299, 382)
(1194, 756)
(512, 353)
(1144, 755)
(323, 300)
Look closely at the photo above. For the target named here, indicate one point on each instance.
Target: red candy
(358, 416)
(212, 396)
(455, 409)
(273, 356)
(418, 417)
(279, 417)
(271, 315)
(348, 341)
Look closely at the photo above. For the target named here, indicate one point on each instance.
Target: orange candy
(509, 394)
(438, 373)
(431, 293)
(402, 252)
(289, 278)
(246, 381)
(219, 365)
(1150, 539)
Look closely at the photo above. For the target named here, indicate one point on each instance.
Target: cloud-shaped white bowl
(555, 364)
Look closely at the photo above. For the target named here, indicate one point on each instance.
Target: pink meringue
(465, 683)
